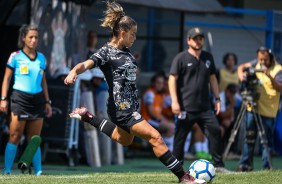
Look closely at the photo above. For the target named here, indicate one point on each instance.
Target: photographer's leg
(246, 163)
(268, 124)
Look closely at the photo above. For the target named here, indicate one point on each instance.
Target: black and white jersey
(119, 67)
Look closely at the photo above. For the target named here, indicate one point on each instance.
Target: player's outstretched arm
(78, 69)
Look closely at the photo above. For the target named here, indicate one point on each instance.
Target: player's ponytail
(23, 32)
(115, 18)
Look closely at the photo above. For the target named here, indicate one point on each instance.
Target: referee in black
(192, 72)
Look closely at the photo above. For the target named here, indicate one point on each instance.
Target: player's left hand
(78, 113)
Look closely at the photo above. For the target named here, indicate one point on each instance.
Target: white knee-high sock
(169, 142)
(198, 146)
(205, 145)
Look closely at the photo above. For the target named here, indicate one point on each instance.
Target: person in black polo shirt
(192, 72)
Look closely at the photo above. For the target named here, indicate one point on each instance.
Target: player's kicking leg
(108, 128)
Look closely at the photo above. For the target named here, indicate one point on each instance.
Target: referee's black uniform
(193, 96)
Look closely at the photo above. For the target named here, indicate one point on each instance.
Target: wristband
(217, 99)
(48, 102)
(3, 98)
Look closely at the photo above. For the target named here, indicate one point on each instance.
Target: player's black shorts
(125, 118)
(27, 106)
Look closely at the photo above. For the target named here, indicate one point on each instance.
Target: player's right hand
(71, 78)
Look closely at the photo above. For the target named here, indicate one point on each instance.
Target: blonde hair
(115, 18)
(23, 32)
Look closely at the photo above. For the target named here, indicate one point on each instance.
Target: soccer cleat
(81, 114)
(203, 155)
(244, 169)
(232, 156)
(7, 173)
(222, 170)
(207, 156)
(186, 178)
(38, 173)
(198, 155)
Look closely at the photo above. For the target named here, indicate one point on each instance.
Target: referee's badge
(24, 69)
(208, 63)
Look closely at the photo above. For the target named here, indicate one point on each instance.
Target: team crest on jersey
(208, 63)
(124, 105)
(136, 115)
(130, 72)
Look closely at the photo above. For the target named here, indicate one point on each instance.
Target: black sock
(101, 124)
(172, 163)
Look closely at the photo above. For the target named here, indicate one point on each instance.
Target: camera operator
(269, 76)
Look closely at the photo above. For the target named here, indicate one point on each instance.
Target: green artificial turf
(138, 170)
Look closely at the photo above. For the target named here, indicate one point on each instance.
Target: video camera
(248, 86)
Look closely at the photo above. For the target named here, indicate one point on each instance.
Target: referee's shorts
(27, 106)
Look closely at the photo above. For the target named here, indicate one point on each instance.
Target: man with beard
(192, 72)
(268, 88)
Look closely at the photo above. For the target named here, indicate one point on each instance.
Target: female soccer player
(29, 98)
(119, 67)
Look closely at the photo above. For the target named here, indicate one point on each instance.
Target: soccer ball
(202, 170)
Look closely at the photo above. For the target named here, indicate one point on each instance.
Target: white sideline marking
(71, 176)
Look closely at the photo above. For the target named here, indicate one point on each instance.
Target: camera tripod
(247, 104)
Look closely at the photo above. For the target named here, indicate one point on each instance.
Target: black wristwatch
(3, 98)
(217, 99)
(48, 102)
